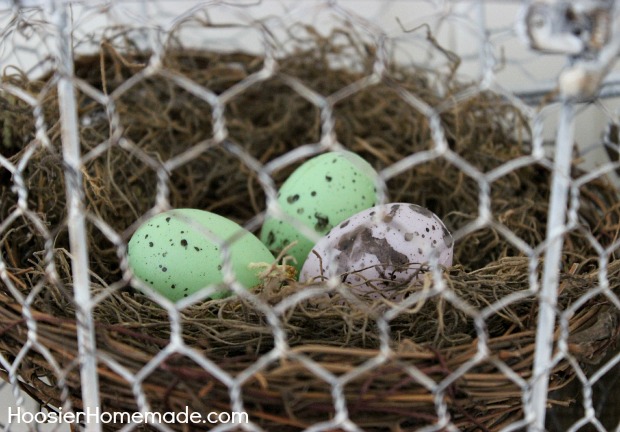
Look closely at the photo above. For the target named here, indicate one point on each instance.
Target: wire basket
(118, 111)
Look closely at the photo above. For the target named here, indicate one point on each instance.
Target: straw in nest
(436, 335)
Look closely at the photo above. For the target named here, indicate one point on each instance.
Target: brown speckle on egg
(292, 198)
(322, 221)
(361, 241)
(423, 211)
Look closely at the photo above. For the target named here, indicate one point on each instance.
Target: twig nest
(380, 247)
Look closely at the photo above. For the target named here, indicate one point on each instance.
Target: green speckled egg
(321, 193)
(176, 258)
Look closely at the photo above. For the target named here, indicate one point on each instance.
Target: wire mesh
(473, 42)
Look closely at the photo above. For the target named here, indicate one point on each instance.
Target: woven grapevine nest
(436, 336)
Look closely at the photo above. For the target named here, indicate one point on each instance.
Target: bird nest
(389, 362)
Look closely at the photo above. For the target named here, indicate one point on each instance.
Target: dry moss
(160, 120)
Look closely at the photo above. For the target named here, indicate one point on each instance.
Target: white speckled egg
(379, 247)
(178, 253)
(320, 194)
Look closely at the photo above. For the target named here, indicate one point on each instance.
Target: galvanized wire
(57, 28)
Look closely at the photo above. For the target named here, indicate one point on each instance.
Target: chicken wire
(500, 51)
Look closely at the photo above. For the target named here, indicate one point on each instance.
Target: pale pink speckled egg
(380, 248)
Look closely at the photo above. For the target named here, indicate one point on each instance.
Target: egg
(381, 247)
(178, 252)
(319, 194)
